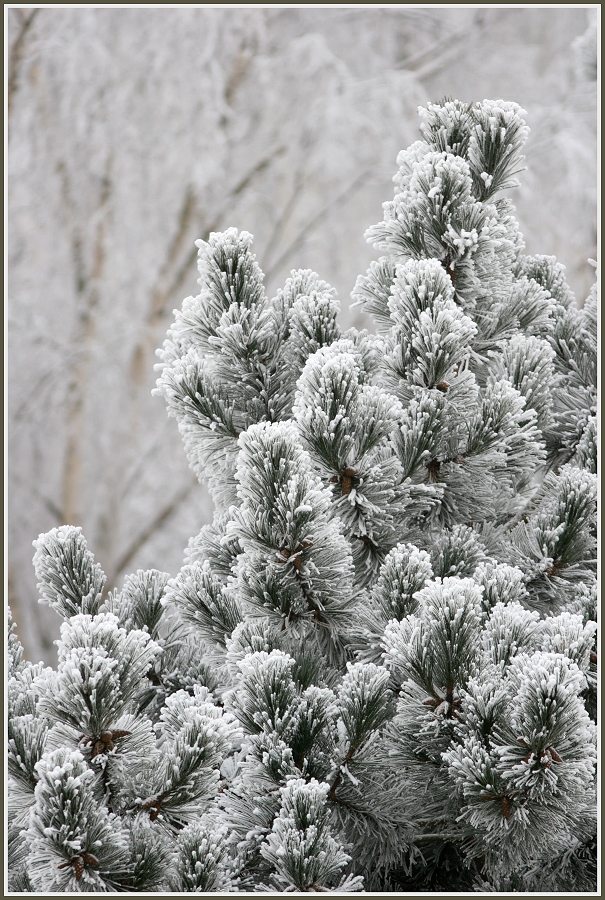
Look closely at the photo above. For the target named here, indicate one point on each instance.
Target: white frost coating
(463, 240)
(66, 821)
(300, 845)
(501, 583)
(142, 132)
(566, 633)
(296, 550)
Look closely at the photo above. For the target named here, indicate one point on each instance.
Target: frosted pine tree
(376, 669)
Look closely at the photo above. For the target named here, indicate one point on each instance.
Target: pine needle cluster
(376, 669)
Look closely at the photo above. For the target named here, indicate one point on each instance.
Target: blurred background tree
(133, 132)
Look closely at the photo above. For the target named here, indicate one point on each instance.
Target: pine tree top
(376, 668)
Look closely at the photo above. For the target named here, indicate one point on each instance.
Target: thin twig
(162, 516)
(285, 215)
(16, 55)
(355, 184)
(162, 294)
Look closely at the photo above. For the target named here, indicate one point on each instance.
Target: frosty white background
(132, 132)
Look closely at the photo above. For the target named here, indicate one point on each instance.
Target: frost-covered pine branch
(376, 668)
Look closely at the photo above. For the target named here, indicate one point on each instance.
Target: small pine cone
(551, 755)
(153, 806)
(346, 480)
(78, 864)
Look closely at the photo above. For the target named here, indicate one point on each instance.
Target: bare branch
(16, 55)
(256, 170)
(87, 300)
(336, 201)
(285, 214)
(156, 523)
(440, 53)
(49, 504)
(181, 269)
